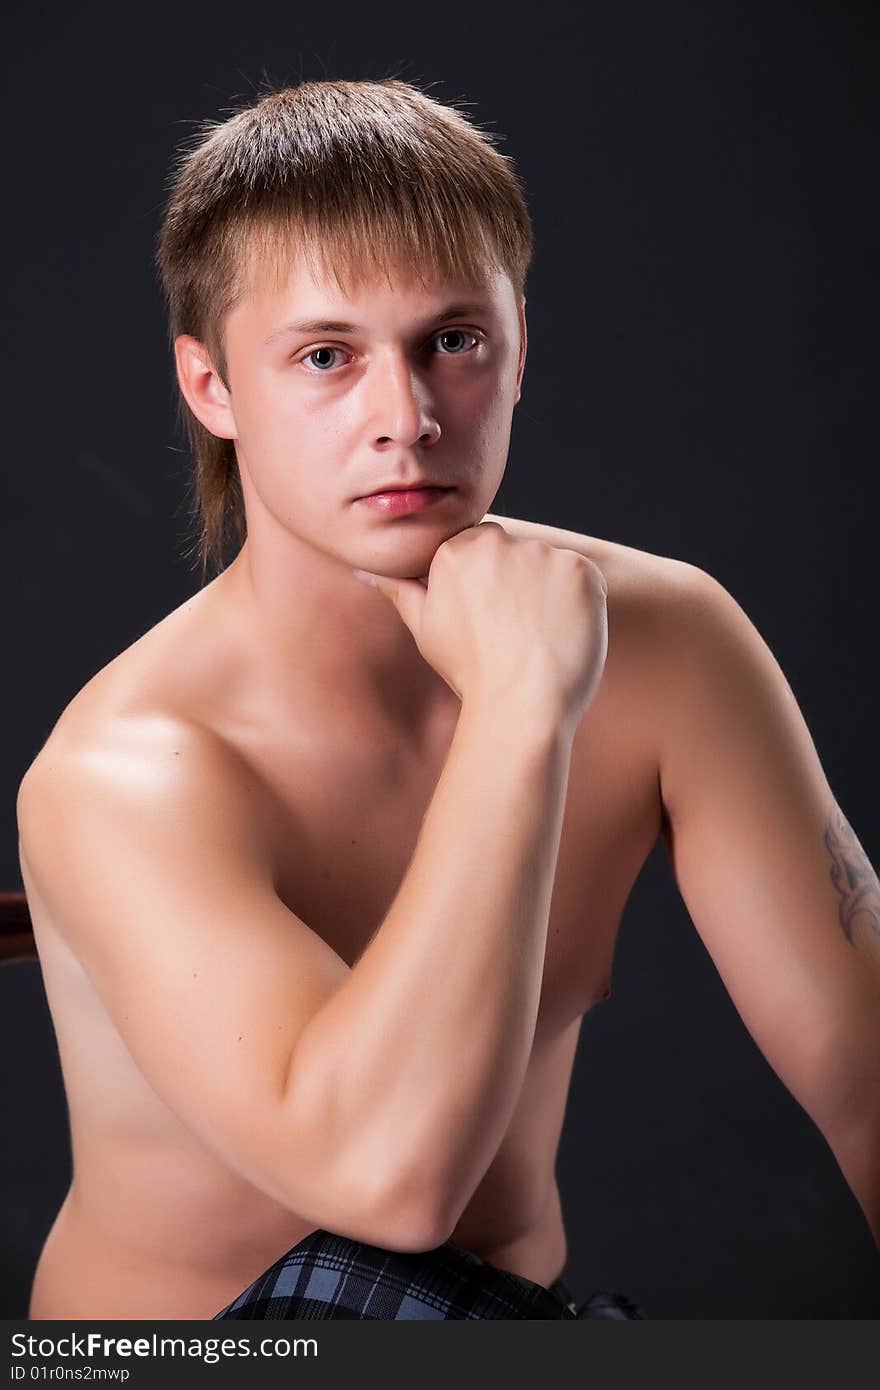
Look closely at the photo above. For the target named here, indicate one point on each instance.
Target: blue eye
(319, 368)
(451, 333)
(314, 352)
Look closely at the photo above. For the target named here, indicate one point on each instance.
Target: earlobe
(202, 387)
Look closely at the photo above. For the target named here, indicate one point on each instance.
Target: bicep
(773, 877)
(153, 872)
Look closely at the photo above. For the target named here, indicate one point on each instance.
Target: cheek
(493, 412)
(277, 416)
(323, 415)
(300, 497)
(475, 407)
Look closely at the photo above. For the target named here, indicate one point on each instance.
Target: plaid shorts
(330, 1276)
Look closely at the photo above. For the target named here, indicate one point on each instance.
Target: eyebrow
(290, 330)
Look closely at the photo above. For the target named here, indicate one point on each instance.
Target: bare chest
(345, 832)
(344, 824)
(344, 827)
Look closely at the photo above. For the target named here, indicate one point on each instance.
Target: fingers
(407, 595)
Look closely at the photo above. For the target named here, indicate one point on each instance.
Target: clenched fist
(502, 618)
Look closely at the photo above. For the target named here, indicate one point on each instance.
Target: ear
(203, 388)
(522, 350)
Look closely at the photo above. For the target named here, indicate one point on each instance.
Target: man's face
(393, 385)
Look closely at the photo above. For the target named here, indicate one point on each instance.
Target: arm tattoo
(852, 876)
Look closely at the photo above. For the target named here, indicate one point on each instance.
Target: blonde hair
(362, 178)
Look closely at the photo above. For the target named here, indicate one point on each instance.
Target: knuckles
(488, 537)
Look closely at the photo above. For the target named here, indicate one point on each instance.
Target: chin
(409, 557)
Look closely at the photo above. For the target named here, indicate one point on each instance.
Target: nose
(401, 404)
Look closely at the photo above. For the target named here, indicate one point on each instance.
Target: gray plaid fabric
(330, 1276)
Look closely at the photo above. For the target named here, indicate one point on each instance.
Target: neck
(313, 632)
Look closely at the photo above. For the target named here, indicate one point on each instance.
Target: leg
(330, 1276)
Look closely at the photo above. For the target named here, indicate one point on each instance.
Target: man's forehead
(310, 301)
(302, 287)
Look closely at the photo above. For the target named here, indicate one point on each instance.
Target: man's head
(366, 203)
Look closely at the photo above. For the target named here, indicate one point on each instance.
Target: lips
(398, 501)
(407, 487)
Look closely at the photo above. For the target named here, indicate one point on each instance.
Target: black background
(700, 383)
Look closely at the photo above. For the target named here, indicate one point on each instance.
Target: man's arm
(368, 1099)
(772, 874)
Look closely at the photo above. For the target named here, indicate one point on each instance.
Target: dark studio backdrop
(701, 383)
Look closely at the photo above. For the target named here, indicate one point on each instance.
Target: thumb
(407, 595)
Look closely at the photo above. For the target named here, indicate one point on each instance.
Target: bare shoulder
(156, 770)
(646, 591)
(156, 692)
(651, 602)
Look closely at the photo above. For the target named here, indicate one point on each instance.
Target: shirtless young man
(324, 876)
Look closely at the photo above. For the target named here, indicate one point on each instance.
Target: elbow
(423, 1205)
(413, 1220)
(392, 1222)
(365, 1188)
(367, 1208)
(356, 1196)
(418, 1236)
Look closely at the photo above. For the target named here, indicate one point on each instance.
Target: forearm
(419, 1058)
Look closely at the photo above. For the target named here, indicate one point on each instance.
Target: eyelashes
(479, 339)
